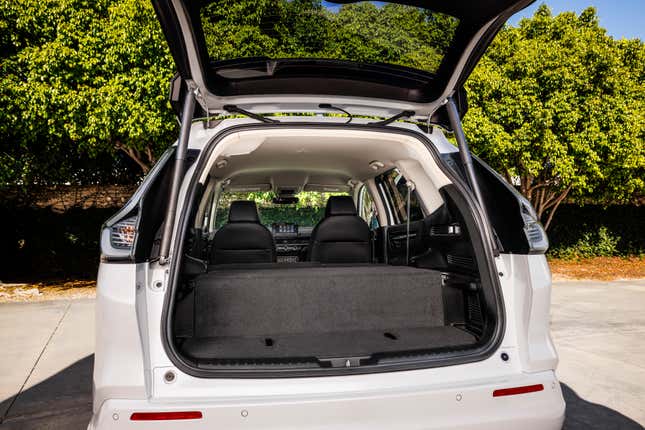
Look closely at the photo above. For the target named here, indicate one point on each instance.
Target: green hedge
(597, 231)
(38, 244)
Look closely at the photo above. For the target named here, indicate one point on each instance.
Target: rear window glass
(306, 212)
(366, 32)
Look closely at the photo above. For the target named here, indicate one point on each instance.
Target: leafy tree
(82, 79)
(365, 32)
(558, 106)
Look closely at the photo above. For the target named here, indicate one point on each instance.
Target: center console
(291, 242)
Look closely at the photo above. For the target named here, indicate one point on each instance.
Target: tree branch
(151, 155)
(507, 174)
(135, 155)
(553, 200)
(555, 207)
(539, 185)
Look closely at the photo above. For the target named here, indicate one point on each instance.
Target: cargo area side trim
(483, 251)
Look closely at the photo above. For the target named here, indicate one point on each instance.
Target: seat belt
(410, 186)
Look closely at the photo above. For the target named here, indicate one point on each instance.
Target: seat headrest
(340, 205)
(243, 211)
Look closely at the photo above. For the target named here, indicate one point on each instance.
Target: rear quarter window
(394, 187)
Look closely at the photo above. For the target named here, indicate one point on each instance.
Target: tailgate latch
(338, 362)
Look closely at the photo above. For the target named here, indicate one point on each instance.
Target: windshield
(309, 209)
(366, 32)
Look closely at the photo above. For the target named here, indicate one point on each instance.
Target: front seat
(243, 239)
(342, 236)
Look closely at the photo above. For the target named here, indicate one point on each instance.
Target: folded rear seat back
(269, 300)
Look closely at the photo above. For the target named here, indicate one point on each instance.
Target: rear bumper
(470, 406)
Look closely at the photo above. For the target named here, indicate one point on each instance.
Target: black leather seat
(243, 239)
(342, 236)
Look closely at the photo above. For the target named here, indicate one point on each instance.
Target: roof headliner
(294, 162)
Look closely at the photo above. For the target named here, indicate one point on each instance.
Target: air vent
(462, 261)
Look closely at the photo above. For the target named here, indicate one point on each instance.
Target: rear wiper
(332, 107)
(235, 109)
(404, 114)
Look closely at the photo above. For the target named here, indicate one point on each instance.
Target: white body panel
(437, 406)
(118, 357)
(131, 362)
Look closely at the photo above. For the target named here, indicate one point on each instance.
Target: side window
(395, 190)
(367, 208)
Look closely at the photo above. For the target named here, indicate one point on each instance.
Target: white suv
(418, 300)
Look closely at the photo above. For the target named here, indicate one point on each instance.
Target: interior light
(375, 165)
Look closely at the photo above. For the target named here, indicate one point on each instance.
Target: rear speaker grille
(461, 261)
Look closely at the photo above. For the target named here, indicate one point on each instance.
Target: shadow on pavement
(64, 401)
(582, 414)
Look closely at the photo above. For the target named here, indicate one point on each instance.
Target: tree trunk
(545, 199)
(144, 160)
(555, 206)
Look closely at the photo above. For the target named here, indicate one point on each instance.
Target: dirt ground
(600, 268)
(53, 290)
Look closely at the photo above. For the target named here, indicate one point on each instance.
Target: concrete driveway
(46, 358)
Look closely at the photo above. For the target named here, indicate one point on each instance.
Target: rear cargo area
(318, 312)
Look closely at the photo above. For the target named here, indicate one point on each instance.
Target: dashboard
(284, 228)
(291, 241)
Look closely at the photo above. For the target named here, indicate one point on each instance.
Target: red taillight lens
(518, 390)
(165, 416)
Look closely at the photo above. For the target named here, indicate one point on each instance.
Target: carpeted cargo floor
(325, 345)
(272, 311)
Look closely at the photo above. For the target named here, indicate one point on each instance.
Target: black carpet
(325, 345)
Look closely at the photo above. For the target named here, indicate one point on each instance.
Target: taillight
(117, 240)
(122, 233)
(533, 230)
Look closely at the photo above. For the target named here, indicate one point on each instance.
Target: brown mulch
(599, 268)
(55, 290)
